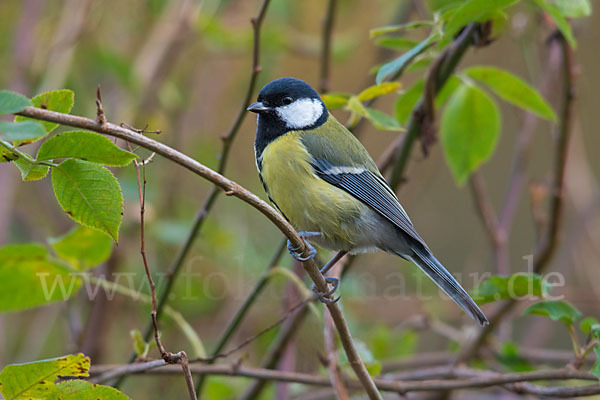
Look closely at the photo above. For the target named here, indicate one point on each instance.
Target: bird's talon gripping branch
(295, 251)
(323, 296)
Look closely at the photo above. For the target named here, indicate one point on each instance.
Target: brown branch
(547, 246)
(238, 191)
(171, 358)
(457, 378)
(326, 47)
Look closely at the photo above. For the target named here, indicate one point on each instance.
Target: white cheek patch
(302, 113)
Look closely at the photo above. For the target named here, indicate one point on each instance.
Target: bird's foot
(295, 251)
(324, 296)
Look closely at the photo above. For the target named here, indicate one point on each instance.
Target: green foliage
(408, 100)
(56, 100)
(587, 324)
(11, 102)
(378, 118)
(386, 344)
(472, 11)
(573, 8)
(469, 130)
(371, 363)
(559, 20)
(397, 65)
(378, 90)
(30, 171)
(28, 278)
(23, 131)
(396, 43)
(515, 286)
(90, 194)
(384, 30)
(555, 310)
(140, 346)
(512, 89)
(87, 146)
(37, 380)
(84, 247)
(334, 101)
(511, 358)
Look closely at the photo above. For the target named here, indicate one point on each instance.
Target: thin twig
(547, 246)
(465, 378)
(324, 79)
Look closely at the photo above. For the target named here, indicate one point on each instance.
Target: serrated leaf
(77, 389)
(472, 11)
(84, 145)
(56, 100)
(35, 380)
(401, 62)
(555, 310)
(586, 325)
(11, 102)
(573, 8)
(469, 130)
(400, 27)
(90, 194)
(24, 131)
(560, 21)
(512, 287)
(378, 90)
(383, 121)
(334, 101)
(30, 171)
(84, 247)
(407, 101)
(29, 279)
(513, 89)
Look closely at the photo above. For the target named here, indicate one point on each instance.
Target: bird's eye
(287, 100)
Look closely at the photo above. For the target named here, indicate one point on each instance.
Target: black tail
(436, 271)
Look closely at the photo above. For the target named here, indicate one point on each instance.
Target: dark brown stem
(326, 47)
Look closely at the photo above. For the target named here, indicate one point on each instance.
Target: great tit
(323, 181)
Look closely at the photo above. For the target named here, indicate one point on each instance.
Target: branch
(326, 47)
(232, 189)
(466, 378)
(547, 246)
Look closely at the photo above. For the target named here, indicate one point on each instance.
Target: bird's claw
(295, 251)
(324, 296)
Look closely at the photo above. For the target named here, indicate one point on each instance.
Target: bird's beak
(258, 108)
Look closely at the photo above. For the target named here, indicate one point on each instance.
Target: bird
(324, 182)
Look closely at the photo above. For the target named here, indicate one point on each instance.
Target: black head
(283, 105)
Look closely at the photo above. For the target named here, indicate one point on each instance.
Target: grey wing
(371, 189)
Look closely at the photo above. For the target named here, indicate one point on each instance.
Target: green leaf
(84, 247)
(473, 11)
(395, 28)
(58, 100)
(469, 130)
(356, 106)
(383, 121)
(23, 131)
(452, 83)
(36, 380)
(90, 194)
(513, 287)
(11, 102)
(378, 90)
(407, 102)
(335, 100)
(513, 89)
(386, 343)
(140, 346)
(596, 367)
(396, 43)
(559, 20)
(401, 62)
(586, 325)
(573, 8)
(30, 171)
(77, 389)
(84, 145)
(510, 356)
(29, 279)
(555, 310)
(373, 366)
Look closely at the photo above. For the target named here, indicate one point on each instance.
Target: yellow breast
(310, 203)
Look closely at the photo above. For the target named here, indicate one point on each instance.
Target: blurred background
(183, 67)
